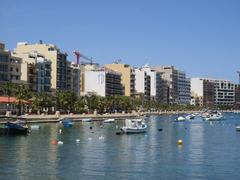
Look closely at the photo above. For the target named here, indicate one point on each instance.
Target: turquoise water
(210, 151)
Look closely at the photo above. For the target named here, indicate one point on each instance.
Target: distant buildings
(102, 82)
(36, 71)
(142, 84)
(127, 78)
(184, 88)
(175, 86)
(10, 66)
(213, 92)
(45, 68)
(58, 60)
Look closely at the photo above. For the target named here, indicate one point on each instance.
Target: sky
(201, 37)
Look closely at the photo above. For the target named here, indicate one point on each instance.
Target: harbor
(92, 150)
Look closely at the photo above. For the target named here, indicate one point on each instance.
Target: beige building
(58, 62)
(10, 66)
(36, 71)
(127, 79)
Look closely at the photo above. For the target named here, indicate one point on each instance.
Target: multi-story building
(10, 66)
(10, 72)
(184, 88)
(155, 83)
(127, 78)
(213, 92)
(102, 82)
(86, 67)
(142, 84)
(75, 78)
(170, 76)
(36, 71)
(237, 96)
(58, 60)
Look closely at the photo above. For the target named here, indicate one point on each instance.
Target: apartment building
(127, 78)
(75, 79)
(10, 66)
(102, 82)
(59, 65)
(36, 71)
(184, 88)
(142, 84)
(213, 92)
(170, 77)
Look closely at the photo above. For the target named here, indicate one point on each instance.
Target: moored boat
(134, 126)
(67, 122)
(190, 116)
(109, 120)
(87, 120)
(214, 117)
(238, 128)
(14, 128)
(180, 118)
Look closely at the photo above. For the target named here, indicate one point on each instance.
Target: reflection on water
(210, 150)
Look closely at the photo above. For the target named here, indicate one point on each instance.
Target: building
(127, 78)
(10, 66)
(175, 85)
(155, 83)
(36, 71)
(213, 92)
(184, 88)
(59, 65)
(237, 96)
(75, 78)
(86, 67)
(102, 82)
(142, 84)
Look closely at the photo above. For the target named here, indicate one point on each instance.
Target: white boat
(190, 116)
(35, 127)
(109, 120)
(180, 118)
(237, 128)
(214, 117)
(87, 120)
(134, 126)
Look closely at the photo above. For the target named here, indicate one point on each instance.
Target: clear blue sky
(201, 37)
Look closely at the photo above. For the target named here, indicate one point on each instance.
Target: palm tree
(42, 101)
(66, 100)
(22, 93)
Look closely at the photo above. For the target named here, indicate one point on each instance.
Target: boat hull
(12, 131)
(133, 131)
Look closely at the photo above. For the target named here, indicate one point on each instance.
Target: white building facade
(214, 91)
(102, 83)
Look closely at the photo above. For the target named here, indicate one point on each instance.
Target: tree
(65, 100)
(22, 94)
(42, 100)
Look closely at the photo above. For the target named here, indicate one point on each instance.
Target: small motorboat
(67, 122)
(109, 120)
(87, 120)
(238, 128)
(214, 117)
(180, 118)
(14, 128)
(189, 117)
(35, 127)
(134, 126)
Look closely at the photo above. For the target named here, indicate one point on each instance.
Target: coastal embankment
(51, 118)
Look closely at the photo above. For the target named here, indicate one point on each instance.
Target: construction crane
(238, 76)
(80, 55)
